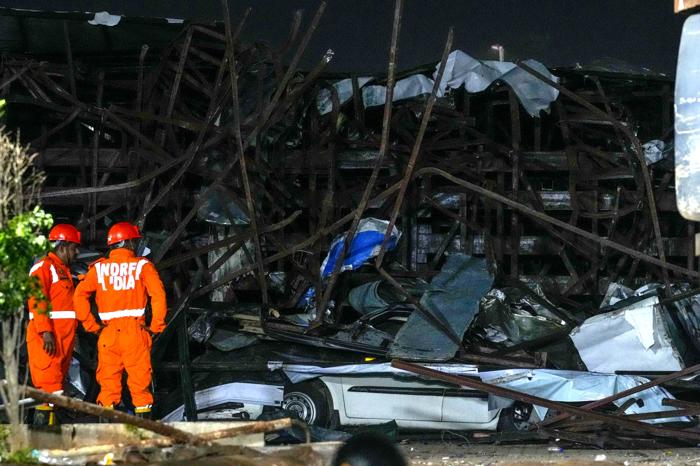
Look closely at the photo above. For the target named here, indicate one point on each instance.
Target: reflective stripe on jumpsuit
(122, 284)
(49, 372)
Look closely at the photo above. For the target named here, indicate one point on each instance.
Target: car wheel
(516, 418)
(309, 402)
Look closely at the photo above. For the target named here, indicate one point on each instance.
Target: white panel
(399, 403)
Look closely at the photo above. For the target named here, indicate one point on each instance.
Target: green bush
(21, 241)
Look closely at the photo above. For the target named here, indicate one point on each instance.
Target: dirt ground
(438, 453)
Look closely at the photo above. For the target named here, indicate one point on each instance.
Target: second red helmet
(64, 232)
(122, 231)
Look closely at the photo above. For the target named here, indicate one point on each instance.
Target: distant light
(501, 51)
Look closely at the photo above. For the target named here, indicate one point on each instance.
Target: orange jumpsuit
(122, 284)
(49, 372)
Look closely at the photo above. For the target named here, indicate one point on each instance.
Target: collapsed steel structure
(219, 150)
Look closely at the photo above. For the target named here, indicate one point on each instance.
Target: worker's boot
(44, 415)
(144, 412)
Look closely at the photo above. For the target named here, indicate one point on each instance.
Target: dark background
(557, 32)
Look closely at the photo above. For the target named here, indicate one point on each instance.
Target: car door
(387, 397)
(468, 406)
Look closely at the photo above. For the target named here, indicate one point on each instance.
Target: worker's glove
(149, 331)
(49, 343)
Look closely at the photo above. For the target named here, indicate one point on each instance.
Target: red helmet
(122, 231)
(64, 232)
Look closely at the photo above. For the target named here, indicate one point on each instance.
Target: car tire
(514, 419)
(309, 402)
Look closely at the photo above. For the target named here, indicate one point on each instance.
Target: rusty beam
(638, 151)
(238, 139)
(383, 149)
(630, 391)
(548, 219)
(535, 400)
(410, 166)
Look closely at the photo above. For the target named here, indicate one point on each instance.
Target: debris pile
(501, 219)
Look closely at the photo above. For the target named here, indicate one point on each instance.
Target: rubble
(496, 218)
(638, 329)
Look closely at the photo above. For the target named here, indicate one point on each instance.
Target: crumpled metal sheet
(453, 296)
(509, 316)
(406, 88)
(632, 338)
(344, 90)
(687, 312)
(461, 69)
(477, 75)
(103, 18)
(301, 372)
(226, 340)
(614, 294)
(240, 392)
(574, 386)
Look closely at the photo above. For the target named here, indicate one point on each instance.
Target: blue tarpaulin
(365, 245)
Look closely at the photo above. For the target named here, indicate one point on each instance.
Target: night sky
(557, 32)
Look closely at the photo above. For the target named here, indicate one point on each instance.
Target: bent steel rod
(546, 218)
(535, 400)
(479, 190)
(325, 295)
(115, 187)
(639, 152)
(250, 202)
(111, 414)
(162, 265)
(296, 247)
(630, 391)
(416, 147)
(213, 110)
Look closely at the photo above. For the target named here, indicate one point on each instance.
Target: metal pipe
(535, 400)
(416, 147)
(546, 218)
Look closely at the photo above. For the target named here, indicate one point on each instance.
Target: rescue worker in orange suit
(52, 321)
(122, 284)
